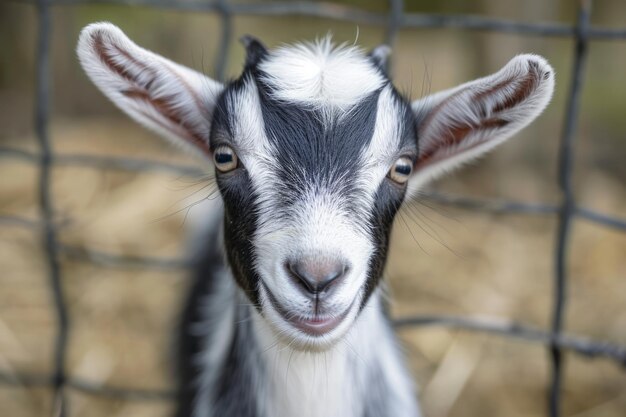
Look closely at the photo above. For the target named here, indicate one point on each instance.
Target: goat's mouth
(313, 325)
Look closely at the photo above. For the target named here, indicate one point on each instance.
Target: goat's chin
(314, 335)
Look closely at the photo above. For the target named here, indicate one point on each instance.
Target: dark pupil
(403, 169)
(223, 158)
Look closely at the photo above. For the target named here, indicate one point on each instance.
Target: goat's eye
(225, 159)
(401, 170)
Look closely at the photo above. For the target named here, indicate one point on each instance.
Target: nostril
(316, 276)
(299, 279)
(331, 278)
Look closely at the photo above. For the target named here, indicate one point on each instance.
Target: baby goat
(314, 152)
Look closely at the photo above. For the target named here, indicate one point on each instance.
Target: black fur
(380, 58)
(208, 264)
(255, 50)
(239, 376)
(241, 369)
(240, 207)
(317, 152)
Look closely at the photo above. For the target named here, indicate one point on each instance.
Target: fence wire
(49, 226)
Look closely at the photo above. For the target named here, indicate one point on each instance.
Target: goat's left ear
(461, 124)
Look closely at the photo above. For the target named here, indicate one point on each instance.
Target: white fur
(332, 382)
(321, 75)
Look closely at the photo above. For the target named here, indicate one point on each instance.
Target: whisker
(437, 209)
(411, 233)
(427, 227)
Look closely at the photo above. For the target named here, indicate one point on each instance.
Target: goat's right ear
(174, 101)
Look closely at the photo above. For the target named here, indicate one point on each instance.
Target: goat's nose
(316, 276)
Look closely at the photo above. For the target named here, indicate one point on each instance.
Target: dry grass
(443, 261)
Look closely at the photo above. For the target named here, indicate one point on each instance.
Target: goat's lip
(314, 325)
(318, 326)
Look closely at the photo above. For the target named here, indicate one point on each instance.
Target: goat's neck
(334, 382)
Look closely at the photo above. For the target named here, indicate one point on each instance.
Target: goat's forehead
(256, 121)
(313, 104)
(320, 75)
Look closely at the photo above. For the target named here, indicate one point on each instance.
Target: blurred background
(444, 260)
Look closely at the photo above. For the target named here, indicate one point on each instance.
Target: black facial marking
(240, 224)
(240, 205)
(387, 201)
(317, 151)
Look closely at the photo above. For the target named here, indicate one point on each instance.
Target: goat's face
(314, 153)
(312, 168)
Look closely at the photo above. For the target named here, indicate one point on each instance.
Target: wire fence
(49, 226)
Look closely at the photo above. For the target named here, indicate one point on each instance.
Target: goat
(314, 152)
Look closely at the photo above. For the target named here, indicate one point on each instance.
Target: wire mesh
(567, 211)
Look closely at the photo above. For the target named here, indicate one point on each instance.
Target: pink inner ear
(109, 61)
(456, 130)
(142, 92)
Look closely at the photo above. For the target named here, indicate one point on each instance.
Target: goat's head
(314, 152)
